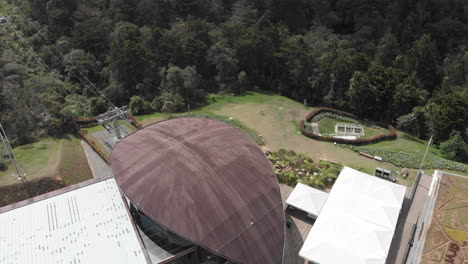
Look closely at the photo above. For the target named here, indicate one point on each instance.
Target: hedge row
(92, 121)
(86, 122)
(339, 117)
(330, 110)
(105, 156)
(135, 122)
(392, 135)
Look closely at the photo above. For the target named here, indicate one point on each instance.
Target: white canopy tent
(86, 225)
(357, 222)
(307, 199)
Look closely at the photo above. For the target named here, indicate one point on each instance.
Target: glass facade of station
(172, 248)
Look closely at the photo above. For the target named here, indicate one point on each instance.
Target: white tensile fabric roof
(86, 225)
(357, 222)
(307, 199)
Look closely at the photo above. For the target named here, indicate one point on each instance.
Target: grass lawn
(49, 157)
(94, 129)
(39, 159)
(405, 143)
(151, 118)
(327, 125)
(371, 132)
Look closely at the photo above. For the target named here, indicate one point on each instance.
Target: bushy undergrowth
(411, 160)
(230, 121)
(291, 167)
(334, 116)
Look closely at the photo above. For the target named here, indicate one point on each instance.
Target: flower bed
(307, 131)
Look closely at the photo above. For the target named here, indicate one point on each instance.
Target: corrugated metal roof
(87, 225)
(207, 182)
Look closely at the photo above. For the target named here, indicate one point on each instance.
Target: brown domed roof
(207, 182)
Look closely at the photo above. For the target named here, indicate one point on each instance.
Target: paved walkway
(107, 140)
(405, 226)
(297, 233)
(98, 166)
(315, 128)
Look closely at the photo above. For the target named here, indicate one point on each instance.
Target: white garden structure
(349, 129)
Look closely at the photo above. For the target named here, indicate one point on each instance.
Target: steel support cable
(41, 62)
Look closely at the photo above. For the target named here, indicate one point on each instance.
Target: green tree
(127, 55)
(447, 112)
(124, 10)
(387, 50)
(423, 58)
(75, 106)
(91, 33)
(80, 66)
(363, 96)
(60, 17)
(455, 148)
(223, 58)
(98, 105)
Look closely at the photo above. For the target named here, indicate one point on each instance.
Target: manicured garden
(327, 127)
(291, 167)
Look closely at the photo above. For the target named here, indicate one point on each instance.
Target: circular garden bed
(328, 124)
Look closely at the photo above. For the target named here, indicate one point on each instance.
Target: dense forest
(403, 62)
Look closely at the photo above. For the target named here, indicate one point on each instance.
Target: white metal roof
(86, 225)
(307, 199)
(357, 222)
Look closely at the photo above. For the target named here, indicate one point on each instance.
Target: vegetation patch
(228, 120)
(291, 167)
(456, 235)
(411, 160)
(73, 166)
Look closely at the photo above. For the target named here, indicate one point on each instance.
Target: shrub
(157, 104)
(168, 107)
(213, 98)
(137, 105)
(3, 164)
